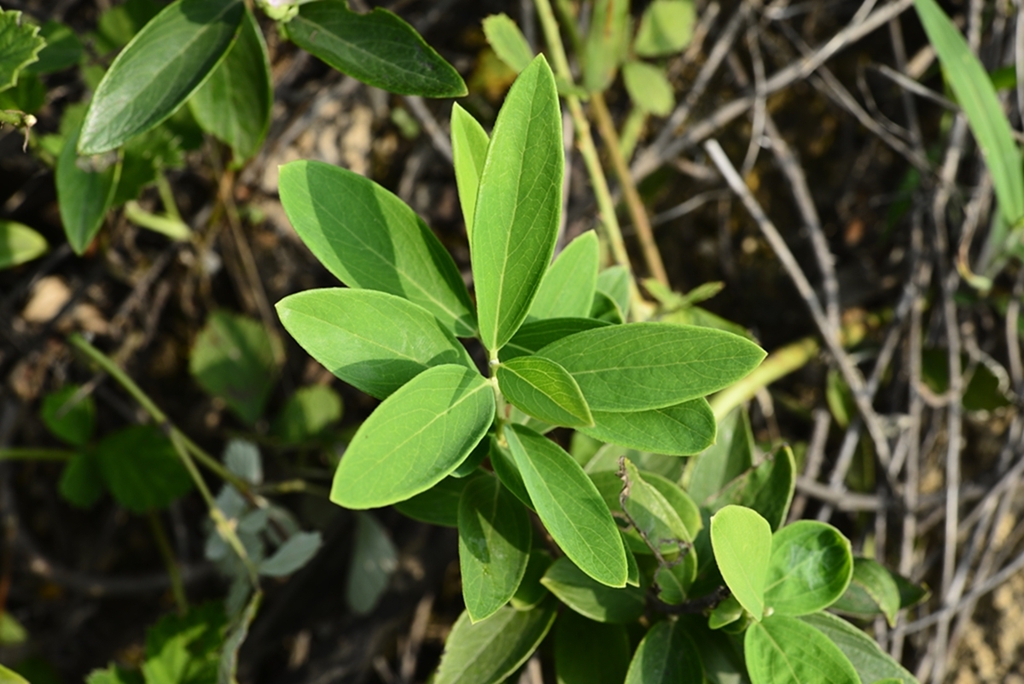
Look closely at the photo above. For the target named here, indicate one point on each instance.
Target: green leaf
(370, 239)
(911, 593)
(473, 461)
(519, 204)
(374, 560)
(298, 550)
(588, 652)
(487, 652)
(680, 501)
(725, 460)
(665, 656)
(869, 660)
(81, 483)
(614, 282)
(63, 49)
(142, 469)
(648, 88)
(494, 546)
(569, 506)
(309, 412)
(508, 472)
(544, 390)
(469, 150)
(185, 649)
(10, 676)
(567, 289)
(605, 44)
(665, 28)
(742, 541)
(978, 99)
(20, 44)
(120, 23)
(439, 505)
(651, 513)
(28, 95)
(679, 430)
(590, 598)
(508, 42)
(235, 358)
(72, 422)
(535, 335)
(234, 102)
(372, 340)
(872, 591)
(85, 190)
(810, 567)
(114, 674)
(606, 309)
(145, 158)
(645, 366)
(378, 48)
(720, 653)
(12, 632)
(415, 438)
(785, 650)
(531, 592)
(725, 613)
(158, 70)
(767, 488)
(675, 579)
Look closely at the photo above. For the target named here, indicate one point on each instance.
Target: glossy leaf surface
(567, 289)
(544, 390)
(85, 190)
(469, 150)
(785, 650)
(487, 652)
(415, 438)
(494, 545)
(569, 505)
(378, 48)
(370, 239)
(372, 340)
(588, 652)
(592, 599)
(868, 659)
(810, 567)
(234, 102)
(679, 430)
(742, 542)
(645, 366)
(158, 70)
(519, 204)
(665, 656)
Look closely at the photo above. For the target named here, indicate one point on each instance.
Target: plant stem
(173, 572)
(779, 363)
(588, 151)
(37, 454)
(637, 212)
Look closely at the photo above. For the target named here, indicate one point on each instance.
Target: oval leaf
(742, 542)
(379, 49)
(666, 656)
(71, 422)
(372, 340)
(494, 546)
(872, 591)
(868, 659)
(19, 243)
(767, 488)
(415, 438)
(519, 204)
(810, 567)
(487, 652)
(645, 366)
(588, 652)
(469, 150)
(665, 27)
(544, 390)
(142, 469)
(292, 555)
(234, 103)
(648, 88)
(680, 430)
(567, 289)
(569, 505)
(593, 599)
(85, 190)
(784, 650)
(651, 513)
(507, 41)
(374, 559)
(370, 239)
(158, 70)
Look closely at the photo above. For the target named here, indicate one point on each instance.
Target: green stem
(779, 363)
(585, 142)
(169, 226)
(18, 119)
(173, 571)
(37, 454)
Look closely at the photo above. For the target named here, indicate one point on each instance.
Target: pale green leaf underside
(494, 546)
(593, 599)
(868, 659)
(370, 239)
(234, 102)
(785, 650)
(507, 41)
(567, 289)
(158, 70)
(415, 438)
(544, 390)
(644, 366)
(19, 243)
(20, 44)
(569, 505)
(378, 48)
(372, 340)
(742, 541)
(810, 567)
(679, 430)
(488, 651)
(469, 150)
(519, 204)
(665, 656)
